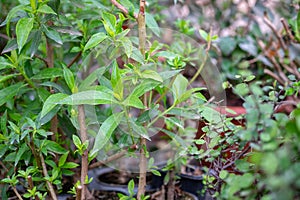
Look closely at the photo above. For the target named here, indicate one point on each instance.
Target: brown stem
(17, 193)
(50, 55)
(287, 30)
(122, 8)
(171, 185)
(143, 160)
(42, 59)
(35, 154)
(45, 173)
(84, 157)
(143, 170)
(31, 186)
(272, 27)
(78, 192)
(74, 59)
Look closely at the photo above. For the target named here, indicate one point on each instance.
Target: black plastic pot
(97, 184)
(192, 184)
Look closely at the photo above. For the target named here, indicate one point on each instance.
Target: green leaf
(46, 9)
(4, 63)
(131, 187)
(77, 141)
(152, 75)
(9, 92)
(63, 159)
(105, 131)
(23, 28)
(134, 101)
(139, 129)
(241, 89)
(223, 174)
(69, 78)
(91, 97)
(69, 165)
(115, 74)
(52, 34)
(54, 147)
(165, 75)
(7, 77)
(188, 94)
(203, 34)
(20, 152)
(152, 24)
(127, 45)
(145, 86)
(95, 40)
(51, 102)
(48, 73)
(109, 22)
(179, 86)
(87, 82)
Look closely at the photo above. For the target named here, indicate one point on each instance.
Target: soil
(102, 195)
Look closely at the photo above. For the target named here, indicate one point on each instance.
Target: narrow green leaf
(76, 141)
(54, 147)
(69, 165)
(152, 75)
(23, 28)
(91, 97)
(131, 187)
(87, 82)
(63, 159)
(7, 77)
(52, 34)
(5, 64)
(109, 22)
(48, 73)
(145, 86)
(134, 101)
(69, 78)
(20, 152)
(51, 102)
(105, 131)
(203, 34)
(179, 86)
(152, 24)
(46, 9)
(95, 40)
(9, 92)
(127, 45)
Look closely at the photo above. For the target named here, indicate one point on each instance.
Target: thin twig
(42, 59)
(31, 186)
(273, 75)
(272, 27)
(122, 8)
(287, 30)
(17, 193)
(74, 59)
(45, 173)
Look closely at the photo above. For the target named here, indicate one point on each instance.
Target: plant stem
(45, 173)
(143, 147)
(84, 157)
(171, 185)
(17, 193)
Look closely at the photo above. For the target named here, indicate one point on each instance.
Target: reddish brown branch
(122, 8)
(74, 59)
